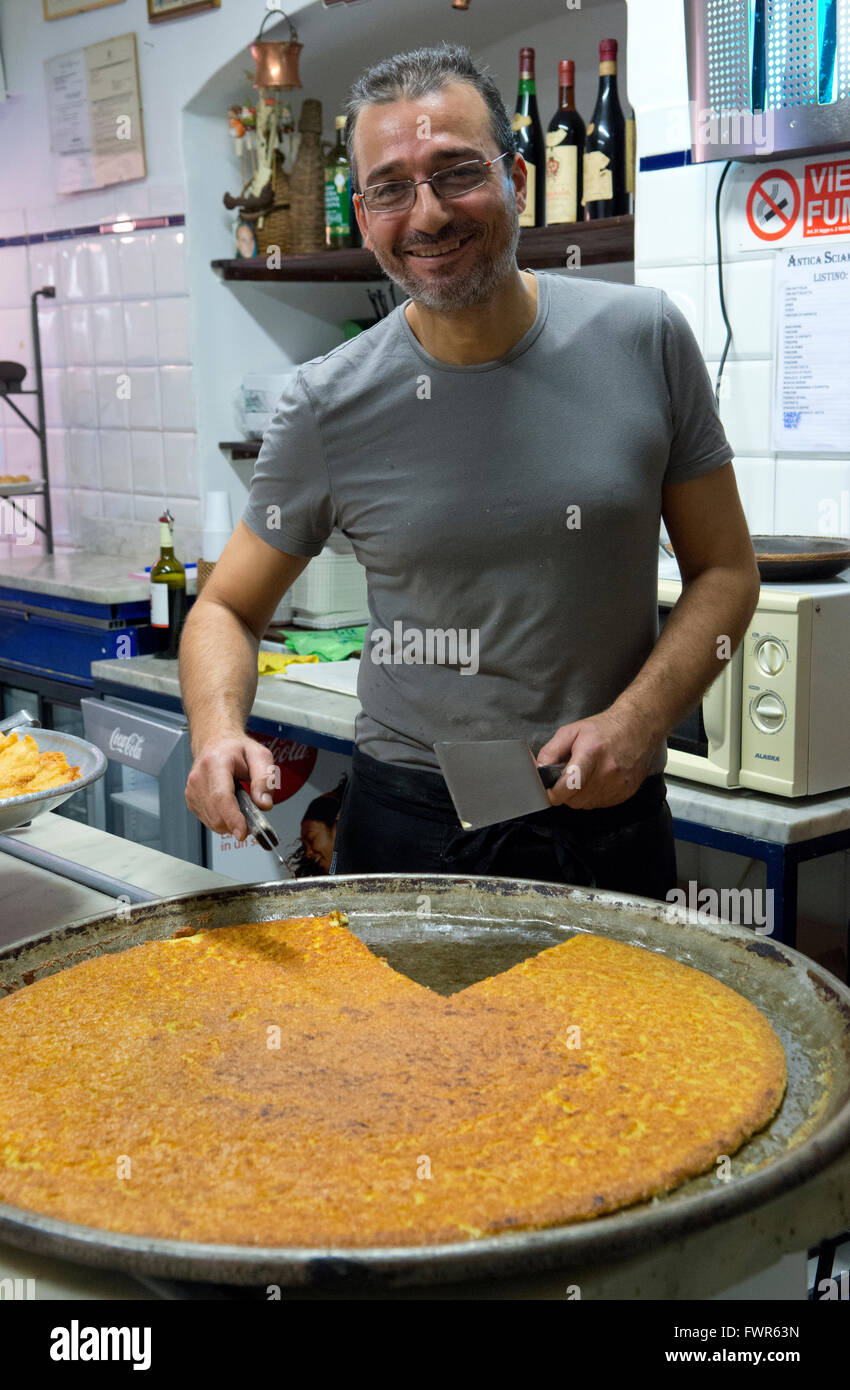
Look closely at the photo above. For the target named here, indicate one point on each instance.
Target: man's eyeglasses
(400, 194)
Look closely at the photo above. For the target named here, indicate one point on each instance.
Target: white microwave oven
(777, 719)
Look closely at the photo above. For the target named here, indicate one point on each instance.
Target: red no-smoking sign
(773, 205)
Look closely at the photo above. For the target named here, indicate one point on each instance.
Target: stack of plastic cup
(218, 525)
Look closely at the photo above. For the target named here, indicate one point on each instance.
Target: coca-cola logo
(293, 763)
(130, 745)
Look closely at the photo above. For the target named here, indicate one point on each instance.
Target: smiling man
(500, 450)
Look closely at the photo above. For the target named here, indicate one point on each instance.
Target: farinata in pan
(278, 1084)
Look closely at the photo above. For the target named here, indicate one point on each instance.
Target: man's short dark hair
(418, 73)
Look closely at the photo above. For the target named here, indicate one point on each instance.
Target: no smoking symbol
(773, 205)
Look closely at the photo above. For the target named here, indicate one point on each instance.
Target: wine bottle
(631, 157)
(168, 592)
(605, 144)
(528, 134)
(338, 192)
(564, 152)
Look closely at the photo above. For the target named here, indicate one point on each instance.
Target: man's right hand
(210, 791)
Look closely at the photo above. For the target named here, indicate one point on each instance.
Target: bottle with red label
(168, 592)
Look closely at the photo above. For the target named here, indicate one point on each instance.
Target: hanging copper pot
(276, 63)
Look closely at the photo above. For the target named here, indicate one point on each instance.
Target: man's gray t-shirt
(513, 503)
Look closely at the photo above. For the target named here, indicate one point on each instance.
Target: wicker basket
(307, 183)
(205, 569)
(276, 229)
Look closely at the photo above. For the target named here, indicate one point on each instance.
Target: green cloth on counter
(334, 645)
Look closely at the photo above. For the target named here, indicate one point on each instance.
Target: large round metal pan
(789, 558)
(477, 927)
(17, 810)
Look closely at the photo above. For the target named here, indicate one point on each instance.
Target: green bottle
(168, 593)
(338, 193)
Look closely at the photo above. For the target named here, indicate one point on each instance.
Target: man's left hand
(608, 756)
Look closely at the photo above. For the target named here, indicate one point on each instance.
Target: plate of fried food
(41, 768)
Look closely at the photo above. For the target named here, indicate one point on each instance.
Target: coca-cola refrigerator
(142, 794)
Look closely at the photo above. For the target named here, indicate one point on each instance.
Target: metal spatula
(495, 780)
(262, 830)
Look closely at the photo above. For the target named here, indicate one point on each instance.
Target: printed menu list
(95, 115)
(812, 395)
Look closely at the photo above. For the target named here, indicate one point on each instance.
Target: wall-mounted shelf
(241, 448)
(565, 245)
(10, 385)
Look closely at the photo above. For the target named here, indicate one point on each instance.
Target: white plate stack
(331, 592)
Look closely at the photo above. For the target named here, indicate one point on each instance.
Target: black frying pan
(792, 558)
(789, 558)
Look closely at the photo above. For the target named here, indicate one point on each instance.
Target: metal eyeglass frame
(415, 183)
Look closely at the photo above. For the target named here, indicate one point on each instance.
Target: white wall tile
(146, 508)
(43, 259)
(108, 332)
(80, 398)
(57, 457)
(748, 291)
(178, 401)
(22, 453)
(51, 335)
(147, 465)
(140, 332)
(116, 474)
(180, 452)
(172, 330)
(14, 277)
(118, 505)
(75, 280)
(136, 266)
(103, 262)
(756, 478)
(670, 217)
(166, 199)
(113, 408)
(144, 398)
(78, 334)
(745, 404)
(15, 336)
(685, 286)
(812, 496)
(168, 261)
(55, 403)
(60, 511)
(84, 459)
(186, 512)
(733, 214)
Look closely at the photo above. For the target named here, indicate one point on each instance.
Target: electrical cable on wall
(720, 281)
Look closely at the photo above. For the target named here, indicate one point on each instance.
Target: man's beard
(459, 291)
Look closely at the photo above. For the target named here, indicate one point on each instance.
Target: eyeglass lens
(446, 183)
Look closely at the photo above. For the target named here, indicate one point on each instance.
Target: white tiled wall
(117, 367)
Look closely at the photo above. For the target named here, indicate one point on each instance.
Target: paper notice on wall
(95, 115)
(812, 389)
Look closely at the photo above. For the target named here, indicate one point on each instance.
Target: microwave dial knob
(768, 712)
(770, 656)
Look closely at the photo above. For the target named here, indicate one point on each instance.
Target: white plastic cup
(217, 514)
(213, 543)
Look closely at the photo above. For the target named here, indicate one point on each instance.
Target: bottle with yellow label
(528, 135)
(605, 192)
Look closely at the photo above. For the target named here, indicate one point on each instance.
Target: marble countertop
(281, 702)
(780, 819)
(77, 574)
(34, 900)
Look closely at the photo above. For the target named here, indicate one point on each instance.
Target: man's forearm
(700, 635)
(218, 672)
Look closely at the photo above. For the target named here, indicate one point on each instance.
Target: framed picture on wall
(60, 9)
(176, 9)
